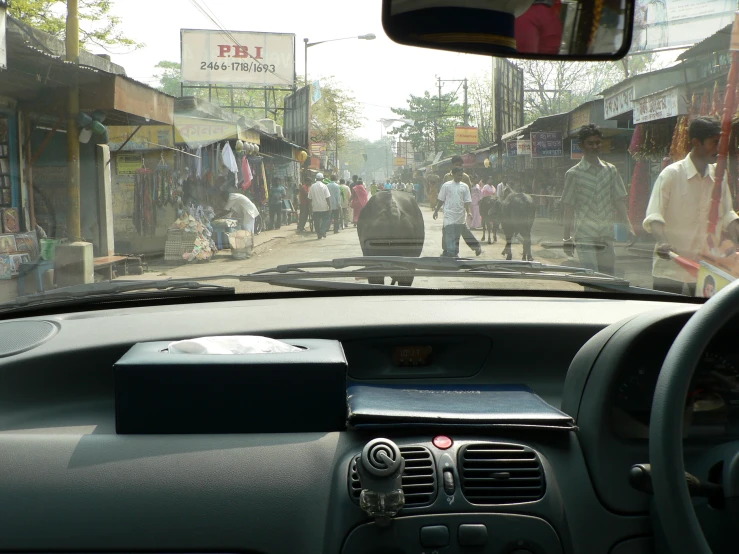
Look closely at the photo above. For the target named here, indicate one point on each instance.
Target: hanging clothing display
(246, 175)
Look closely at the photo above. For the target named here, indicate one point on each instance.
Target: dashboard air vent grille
(493, 473)
(419, 477)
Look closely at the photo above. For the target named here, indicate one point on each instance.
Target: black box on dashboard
(158, 392)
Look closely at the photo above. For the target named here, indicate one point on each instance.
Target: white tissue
(245, 344)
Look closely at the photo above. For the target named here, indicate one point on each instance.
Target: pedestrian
(475, 221)
(388, 185)
(433, 182)
(457, 161)
(304, 204)
(335, 190)
(594, 195)
(346, 193)
(319, 196)
(677, 213)
(373, 188)
(276, 196)
(243, 208)
(456, 199)
(359, 199)
(488, 189)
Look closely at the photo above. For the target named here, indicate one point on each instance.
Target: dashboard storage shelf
(157, 392)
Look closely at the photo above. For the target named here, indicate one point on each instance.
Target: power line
(220, 26)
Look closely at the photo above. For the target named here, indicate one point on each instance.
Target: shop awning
(38, 77)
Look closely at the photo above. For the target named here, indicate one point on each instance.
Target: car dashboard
(72, 483)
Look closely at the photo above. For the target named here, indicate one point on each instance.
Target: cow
(391, 224)
(517, 216)
(490, 214)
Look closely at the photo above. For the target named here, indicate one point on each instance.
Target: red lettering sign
(223, 49)
(259, 53)
(241, 52)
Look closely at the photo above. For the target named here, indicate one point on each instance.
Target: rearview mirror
(532, 29)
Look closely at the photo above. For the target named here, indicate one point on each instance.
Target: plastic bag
(244, 344)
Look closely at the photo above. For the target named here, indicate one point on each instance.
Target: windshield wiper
(96, 292)
(309, 275)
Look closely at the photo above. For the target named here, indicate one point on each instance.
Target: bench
(107, 263)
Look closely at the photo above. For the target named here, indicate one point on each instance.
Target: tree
(482, 115)
(373, 160)
(97, 25)
(170, 77)
(434, 119)
(335, 116)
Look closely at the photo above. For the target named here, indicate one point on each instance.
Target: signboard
(317, 149)
(512, 148)
(546, 144)
(618, 103)
(237, 57)
(195, 131)
(575, 150)
(670, 23)
(398, 162)
(127, 164)
(580, 117)
(148, 137)
(667, 103)
(523, 147)
(507, 102)
(466, 135)
(297, 117)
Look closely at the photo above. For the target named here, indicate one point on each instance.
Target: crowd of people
(593, 202)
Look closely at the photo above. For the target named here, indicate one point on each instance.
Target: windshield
(194, 140)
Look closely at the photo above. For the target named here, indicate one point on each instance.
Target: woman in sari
(475, 222)
(358, 200)
(488, 189)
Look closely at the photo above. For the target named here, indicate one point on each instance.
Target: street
(286, 246)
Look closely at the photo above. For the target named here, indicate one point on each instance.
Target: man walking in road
(335, 202)
(457, 201)
(677, 214)
(319, 197)
(593, 196)
(346, 194)
(457, 161)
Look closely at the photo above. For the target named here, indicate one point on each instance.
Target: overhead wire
(211, 16)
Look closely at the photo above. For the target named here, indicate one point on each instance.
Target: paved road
(287, 246)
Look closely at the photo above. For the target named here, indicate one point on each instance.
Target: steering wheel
(672, 500)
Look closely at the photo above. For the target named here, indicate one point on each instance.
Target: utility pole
(466, 106)
(72, 45)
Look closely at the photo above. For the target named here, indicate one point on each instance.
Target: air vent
(500, 474)
(419, 477)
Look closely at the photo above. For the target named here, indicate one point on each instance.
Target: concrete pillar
(105, 201)
(73, 264)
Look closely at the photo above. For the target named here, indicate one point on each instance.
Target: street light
(368, 36)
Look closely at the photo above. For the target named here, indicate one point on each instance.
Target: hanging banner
(618, 103)
(399, 162)
(315, 92)
(546, 144)
(512, 148)
(670, 23)
(667, 103)
(127, 164)
(523, 147)
(237, 57)
(466, 135)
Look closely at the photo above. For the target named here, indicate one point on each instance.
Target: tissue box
(161, 393)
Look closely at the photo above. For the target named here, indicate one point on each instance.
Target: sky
(380, 73)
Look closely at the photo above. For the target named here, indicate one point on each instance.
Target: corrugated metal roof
(717, 42)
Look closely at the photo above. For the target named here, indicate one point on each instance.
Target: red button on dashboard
(442, 443)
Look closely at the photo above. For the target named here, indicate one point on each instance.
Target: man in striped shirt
(593, 196)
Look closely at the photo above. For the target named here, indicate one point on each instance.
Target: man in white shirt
(677, 214)
(319, 196)
(243, 208)
(457, 201)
